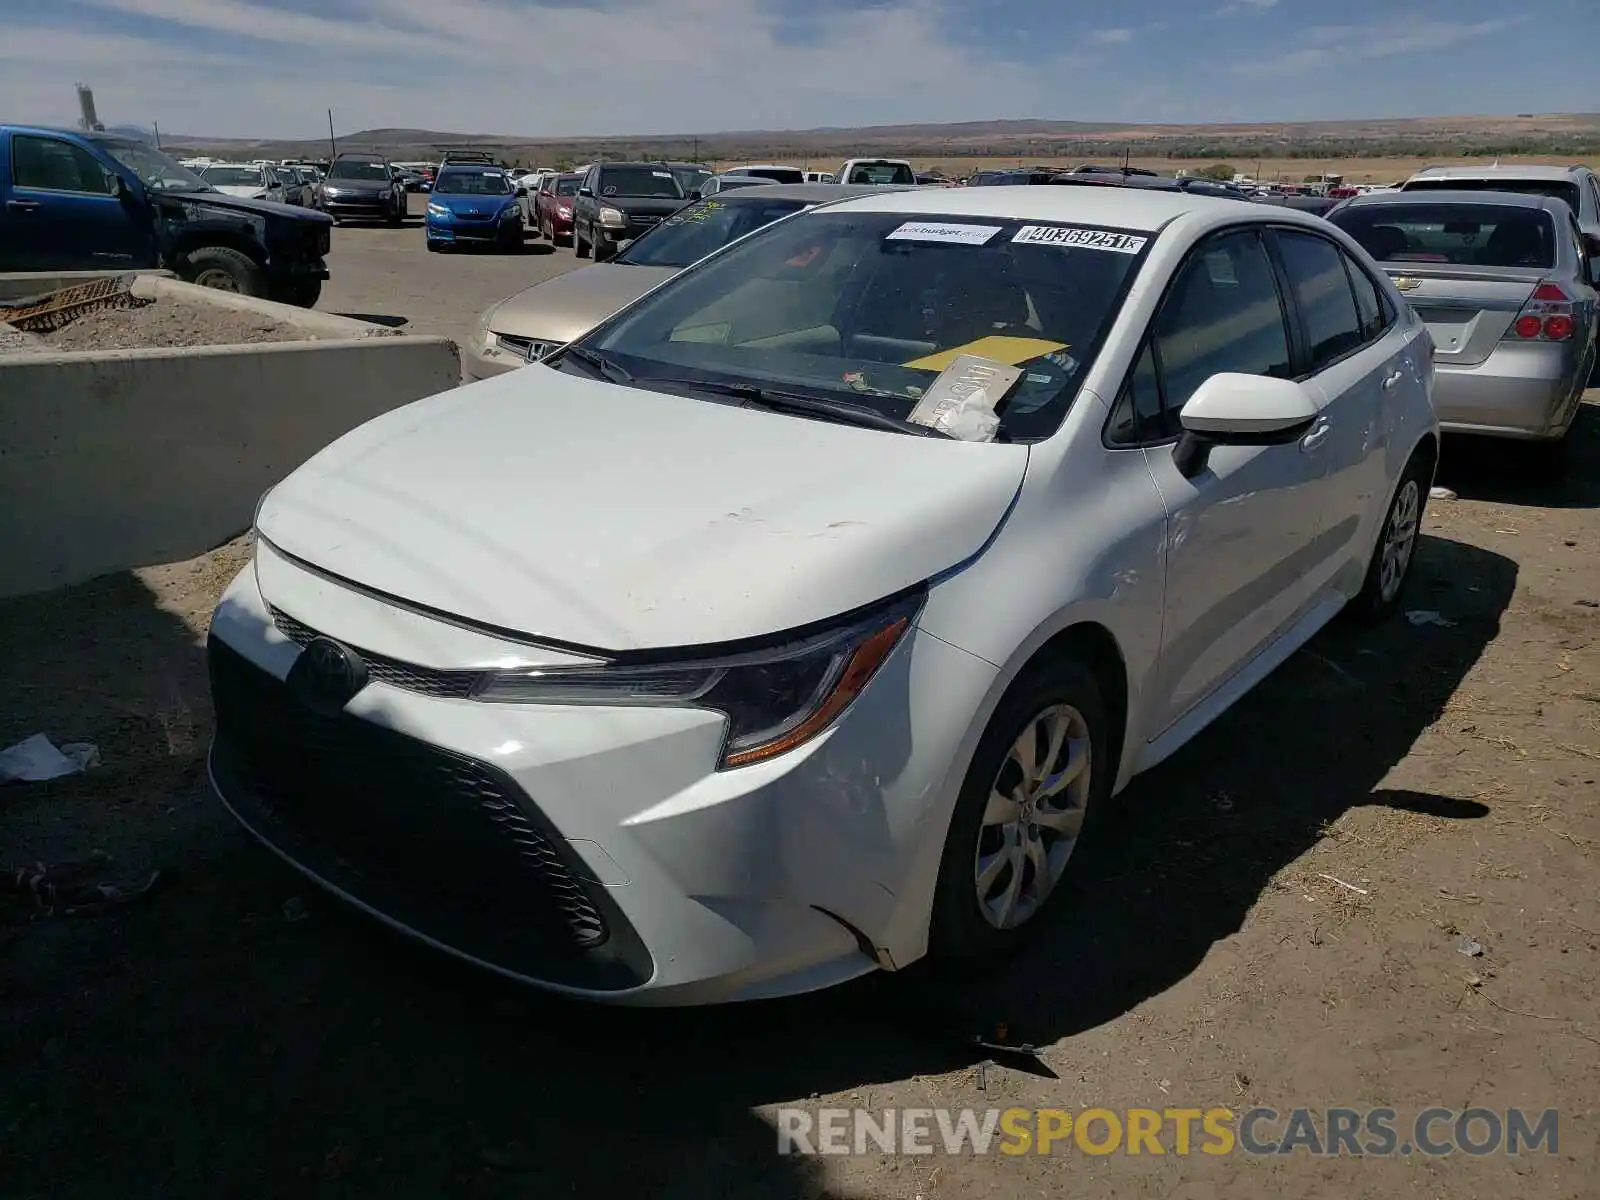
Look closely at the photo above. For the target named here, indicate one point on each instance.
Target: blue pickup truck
(87, 201)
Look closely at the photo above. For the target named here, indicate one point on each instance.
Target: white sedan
(791, 624)
(253, 181)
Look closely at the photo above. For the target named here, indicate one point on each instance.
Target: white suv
(1578, 186)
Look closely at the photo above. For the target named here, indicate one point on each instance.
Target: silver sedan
(1507, 286)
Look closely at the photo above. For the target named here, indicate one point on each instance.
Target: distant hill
(1526, 133)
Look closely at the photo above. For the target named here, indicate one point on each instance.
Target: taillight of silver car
(1546, 317)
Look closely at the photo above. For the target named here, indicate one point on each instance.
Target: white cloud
(499, 66)
(1326, 45)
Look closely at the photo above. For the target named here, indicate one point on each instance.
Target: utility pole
(156, 125)
(333, 146)
(696, 157)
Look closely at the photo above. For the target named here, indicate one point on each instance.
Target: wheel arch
(202, 239)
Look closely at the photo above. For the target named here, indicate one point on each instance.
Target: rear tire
(1390, 566)
(226, 269)
(988, 857)
(1547, 460)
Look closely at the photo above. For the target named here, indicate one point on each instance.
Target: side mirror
(1231, 409)
(694, 194)
(522, 191)
(586, 191)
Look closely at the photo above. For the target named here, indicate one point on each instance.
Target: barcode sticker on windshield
(1091, 239)
(930, 231)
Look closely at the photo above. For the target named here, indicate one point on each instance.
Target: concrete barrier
(119, 459)
(18, 285)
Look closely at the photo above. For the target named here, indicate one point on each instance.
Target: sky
(271, 68)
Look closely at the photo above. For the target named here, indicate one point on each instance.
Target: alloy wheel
(1399, 538)
(217, 278)
(1033, 816)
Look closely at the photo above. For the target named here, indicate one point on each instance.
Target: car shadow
(393, 322)
(327, 1056)
(1501, 472)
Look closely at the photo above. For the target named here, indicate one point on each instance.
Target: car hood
(644, 206)
(215, 198)
(356, 187)
(570, 305)
(604, 516)
(248, 190)
(470, 204)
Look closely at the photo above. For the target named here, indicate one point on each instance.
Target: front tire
(1041, 770)
(1390, 565)
(226, 269)
(303, 293)
(579, 246)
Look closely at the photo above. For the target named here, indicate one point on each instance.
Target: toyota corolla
(798, 620)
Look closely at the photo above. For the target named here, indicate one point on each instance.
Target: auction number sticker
(938, 231)
(1092, 239)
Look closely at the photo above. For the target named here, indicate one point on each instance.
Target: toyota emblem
(327, 675)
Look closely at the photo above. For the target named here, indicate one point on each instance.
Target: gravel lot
(388, 275)
(167, 322)
(1273, 917)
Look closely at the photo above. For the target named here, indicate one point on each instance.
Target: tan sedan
(525, 327)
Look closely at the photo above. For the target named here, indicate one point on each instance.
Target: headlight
(564, 211)
(332, 191)
(511, 210)
(613, 218)
(437, 210)
(774, 700)
(259, 196)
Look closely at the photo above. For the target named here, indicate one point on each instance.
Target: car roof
(814, 193)
(1496, 171)
(1443, 196)
(1115, 207)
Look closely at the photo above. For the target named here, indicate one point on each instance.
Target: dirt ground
(1273, 917)
(168, 323)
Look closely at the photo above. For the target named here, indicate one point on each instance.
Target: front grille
(442, 843)
(531, 349)
(426, 681)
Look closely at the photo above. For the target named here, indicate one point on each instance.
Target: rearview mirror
(1231, 409)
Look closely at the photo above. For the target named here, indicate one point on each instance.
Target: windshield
(1556, 189)
(232, 176)
(644, 182)
(472, 183)
(694, 232)
(881, 173)
(1464, 235)
(567, 185)
(351, 168)
(690, 178)
(159, 173)
(870, 308)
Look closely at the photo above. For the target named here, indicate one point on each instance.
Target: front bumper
(361, 207)
(1529, 392)
(465, 229)
(636, 227)
(592, 851)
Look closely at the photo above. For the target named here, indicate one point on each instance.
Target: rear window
(1556, 189)
(881, 173)
(649, 182)
(694, 232)
(776, 174)
(1462, 235)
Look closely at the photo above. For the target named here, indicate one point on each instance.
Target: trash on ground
(75, 888)
(1441, 493)
(36, 759)
(1427, 616)
(1471, 947)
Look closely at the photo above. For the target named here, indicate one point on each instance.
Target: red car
(552, 208)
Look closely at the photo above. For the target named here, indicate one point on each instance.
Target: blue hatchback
(474, 204)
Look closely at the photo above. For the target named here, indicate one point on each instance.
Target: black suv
(617, 201)
(363, 187)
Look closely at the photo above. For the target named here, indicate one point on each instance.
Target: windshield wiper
(608, 369)
(802, 404)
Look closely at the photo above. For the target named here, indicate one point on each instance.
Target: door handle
(22, 205)
(1315, 438)
(1390, 380)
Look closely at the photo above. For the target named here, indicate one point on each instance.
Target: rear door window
(1327, 306)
